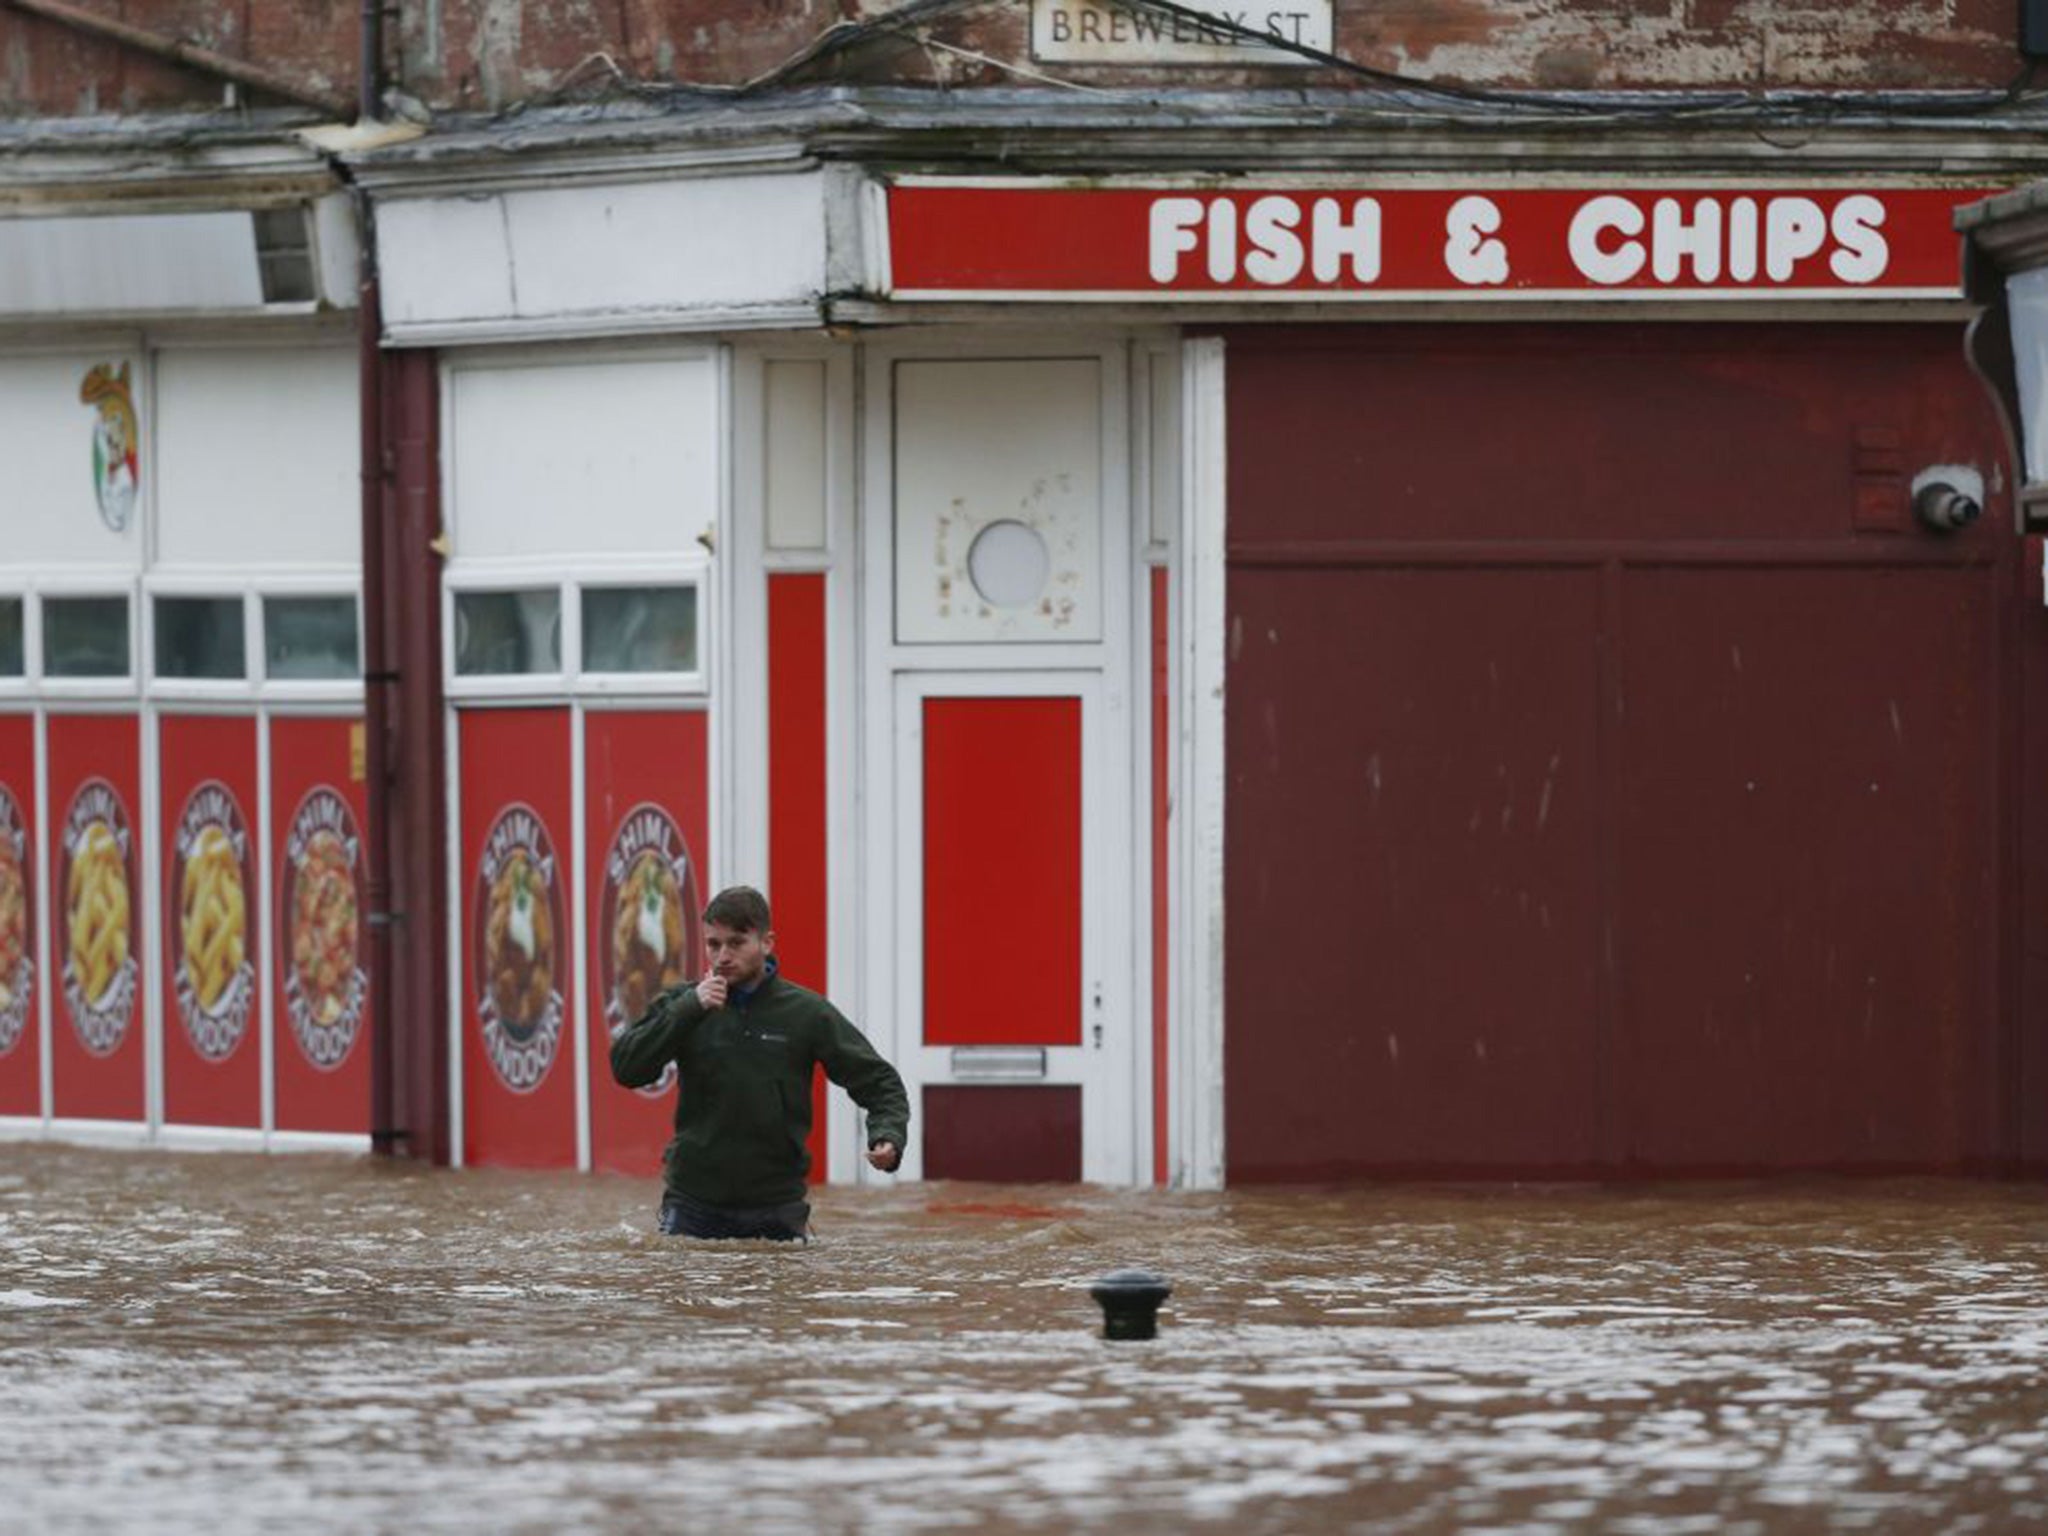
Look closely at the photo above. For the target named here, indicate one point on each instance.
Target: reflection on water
(236, 1343)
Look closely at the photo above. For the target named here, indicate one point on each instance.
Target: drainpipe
(370, 68)
(378, 678)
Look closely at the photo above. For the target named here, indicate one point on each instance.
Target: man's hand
(711, 992)
(885, 1155)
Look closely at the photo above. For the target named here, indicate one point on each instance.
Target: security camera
(1943, 508)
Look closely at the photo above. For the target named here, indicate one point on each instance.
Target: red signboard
(21, 1087)
(319, 869)
(213, 1017)
(647, 814)
(518, 1071)
(96, 1048)
(1025, 240)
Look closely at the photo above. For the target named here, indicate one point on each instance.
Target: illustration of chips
(213, 917)
(96, 906)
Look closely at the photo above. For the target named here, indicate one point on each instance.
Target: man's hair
(739, 907)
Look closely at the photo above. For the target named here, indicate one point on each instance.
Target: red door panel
(21, 1083)
(1805, 816)
(96, 1045)
(647, 814)
(319, 873)
(213, 938)
(1413, 867)
(518, 1074)
(798, 866)
(1618, 780)
(1002, 871)
(1009, 1133)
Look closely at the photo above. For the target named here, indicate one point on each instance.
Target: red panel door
(518, 1074)
(96, 1046)
(646, 810)
(319, 872)
(999, 618)
(1015, 1075)
(212, 943)
(1619, 780)
(21, 1083)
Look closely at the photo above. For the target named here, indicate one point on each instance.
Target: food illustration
(13, 921)
(519, 965)
(213, 910)
(16, 969)
(213, 943)
(95, 886)
(324, 927)
(644, 932)
(647, 934)
(96, 906)
(519, 943)
(320, 902)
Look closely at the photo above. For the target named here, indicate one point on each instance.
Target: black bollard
(1130, 1303)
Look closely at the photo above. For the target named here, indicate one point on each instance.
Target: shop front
(182, 806)
(1618, 718)
(1334, 676)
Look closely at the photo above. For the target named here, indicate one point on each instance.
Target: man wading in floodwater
(745, 1041)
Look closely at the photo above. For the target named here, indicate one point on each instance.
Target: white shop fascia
(622, 245)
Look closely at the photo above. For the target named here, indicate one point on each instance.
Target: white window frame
(23, 686)
(208, 690)
(571, 680)
(124, 689)
(251, 589)
(302, 690)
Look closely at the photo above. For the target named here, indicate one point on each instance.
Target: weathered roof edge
(1038, 131)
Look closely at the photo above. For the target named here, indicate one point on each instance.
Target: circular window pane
(1008, 563)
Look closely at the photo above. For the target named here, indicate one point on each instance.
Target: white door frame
(1117, 1113)
(1102, 1065)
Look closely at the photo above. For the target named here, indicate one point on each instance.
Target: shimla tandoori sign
(1006, 239)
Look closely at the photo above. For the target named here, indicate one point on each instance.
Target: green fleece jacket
(744, 1111)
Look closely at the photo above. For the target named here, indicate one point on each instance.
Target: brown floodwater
(235, 1343)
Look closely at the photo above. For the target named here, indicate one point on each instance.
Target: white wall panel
(50, 507)
(443, 259)
(128, 263)
(793, 477)
(645, 254)
(987, 448)
(259, 451)
(606, 457)
(724, 240)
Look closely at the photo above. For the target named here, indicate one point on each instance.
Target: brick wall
(492, 54)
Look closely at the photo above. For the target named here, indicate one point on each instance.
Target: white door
(1002, 840)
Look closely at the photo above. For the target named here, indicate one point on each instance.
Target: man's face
(739, 956)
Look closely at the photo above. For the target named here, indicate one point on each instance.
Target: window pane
(508, 632)
(12, 661)
(310, 637)
(640, 629)
(85, 637)
(200, 637)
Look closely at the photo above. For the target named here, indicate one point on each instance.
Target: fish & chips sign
(1002, 239)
